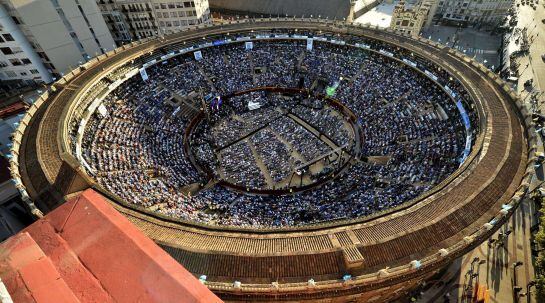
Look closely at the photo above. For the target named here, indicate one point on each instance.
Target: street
(480, 45)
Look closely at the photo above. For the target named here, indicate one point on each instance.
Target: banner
(102, 111)
(198, 55)
(249, 45)
(309, 44)
(143, 74)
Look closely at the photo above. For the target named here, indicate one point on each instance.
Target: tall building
(115, 21)
(43, 39)
(19, 61)
(471, 12)
(136, 19)
(411, 18)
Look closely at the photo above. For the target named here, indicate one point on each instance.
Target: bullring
(371, 254)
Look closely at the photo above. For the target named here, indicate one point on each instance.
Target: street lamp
(530, 284)
(515, 265)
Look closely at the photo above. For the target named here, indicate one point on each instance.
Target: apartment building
(19, 61)
(115, 20)
(145, 18)
(44, 39)
(474, 12)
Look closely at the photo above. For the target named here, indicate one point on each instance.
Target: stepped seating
(252, 268)
(193, 240)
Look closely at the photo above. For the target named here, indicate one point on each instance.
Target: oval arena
(287, 159)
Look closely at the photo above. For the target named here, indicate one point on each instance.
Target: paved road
(474, 43)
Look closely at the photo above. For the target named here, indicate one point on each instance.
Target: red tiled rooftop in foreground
(85, 251)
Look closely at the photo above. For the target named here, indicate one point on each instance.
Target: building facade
(410, 19)
(19, 61)
(474, 12)
(332, 9)
(42, 40)
(135, 19)
(115, 20)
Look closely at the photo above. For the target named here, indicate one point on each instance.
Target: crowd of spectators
(136, 150)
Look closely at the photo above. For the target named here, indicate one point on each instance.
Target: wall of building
(64, 33)
(18, 60)
(326, 8)
(173, 16)
(144, 18)
(483, 12)
(410, 18)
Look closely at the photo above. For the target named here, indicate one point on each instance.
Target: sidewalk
(531, 66)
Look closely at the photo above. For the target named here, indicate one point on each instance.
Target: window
(50, 66)
(173, 14)
(26, 61)
(8, 37)
(3, 64)
(181, 13)
(43, 56)
(34, 71)
(15, 62)
(1, 40)
(165, 15)
(11, 73)
(6, 50)
(23, 73)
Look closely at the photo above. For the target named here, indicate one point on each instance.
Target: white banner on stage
(309, 44)
(143, 74)
(249, 45)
